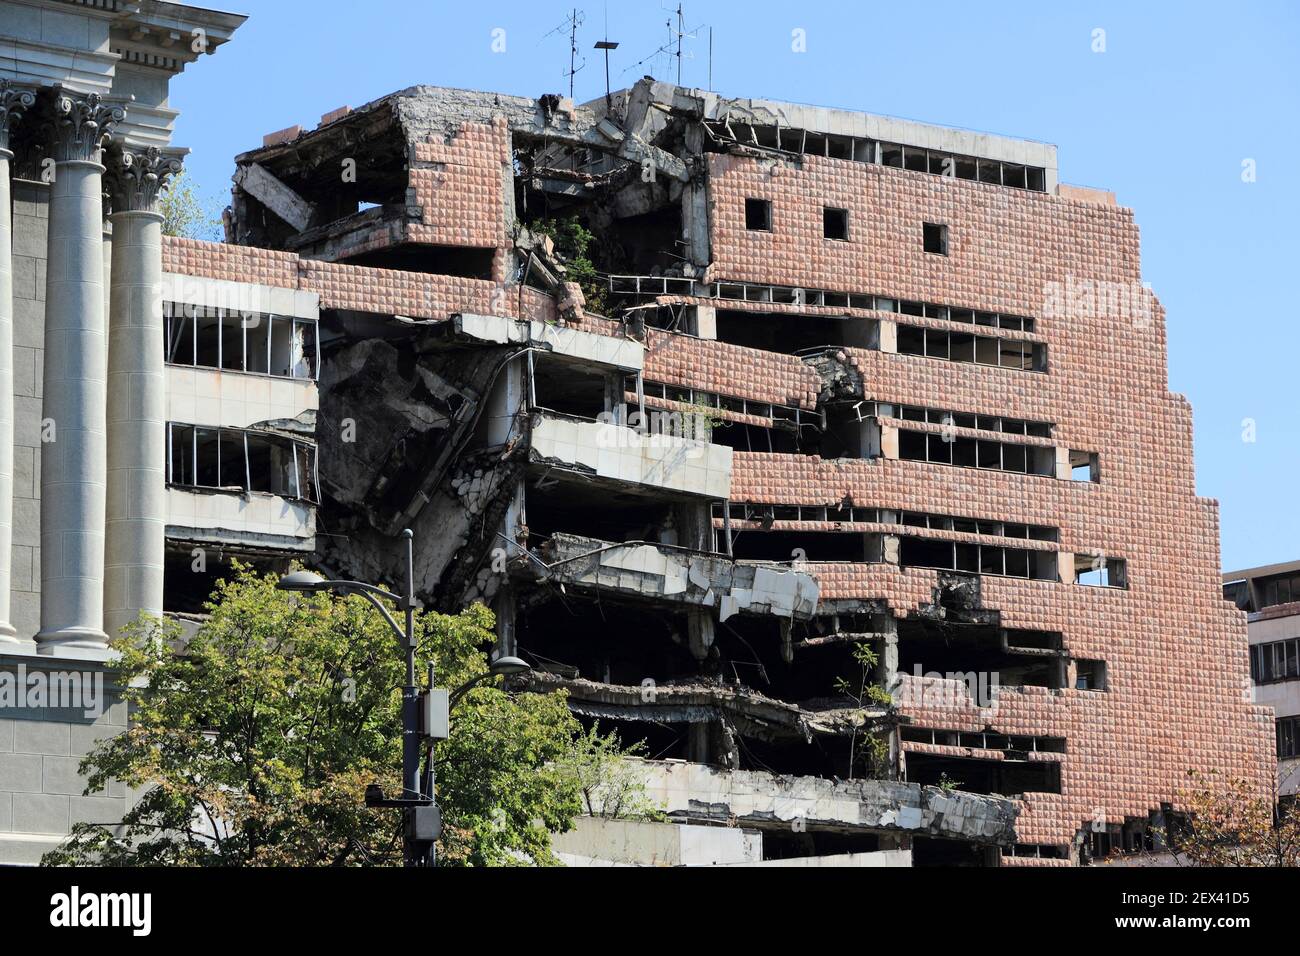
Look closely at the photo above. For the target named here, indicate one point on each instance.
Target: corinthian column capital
(14, 102)
(77, 124)
(136, 176)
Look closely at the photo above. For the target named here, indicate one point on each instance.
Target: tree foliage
(1231, 824)
(572, 245)
(254, 740)
(186, 214)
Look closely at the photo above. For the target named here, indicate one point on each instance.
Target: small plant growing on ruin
(866, 750)
(947, 784)
(572, 242)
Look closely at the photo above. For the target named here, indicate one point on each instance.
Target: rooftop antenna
(672, 48)
(572, 22)
(681, 27)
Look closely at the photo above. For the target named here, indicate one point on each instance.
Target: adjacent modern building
(1270, 596)
(829, 455)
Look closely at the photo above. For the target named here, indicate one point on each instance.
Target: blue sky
(1165, 116)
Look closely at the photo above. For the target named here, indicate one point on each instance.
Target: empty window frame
(977, 558)
(231, 459)
(1275, 661)
(950, 449)
(259, 343)
(934, 238)
(962, 347)
(1085, 466)
(1096, 570)
(1288, 737)
(1280, 589)
(758, 215)
(940, 416)
(957, 166)
(835, 223)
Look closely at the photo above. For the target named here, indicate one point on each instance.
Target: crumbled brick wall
(362, 288)
(1176, 653)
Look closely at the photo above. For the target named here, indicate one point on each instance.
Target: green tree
(253, 741)
(186, 213)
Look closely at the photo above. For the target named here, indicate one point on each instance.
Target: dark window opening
(790, 334)
(1280, 589)
(835, 223)
(569, 388)
(758, 214)
(1275, 661)
(1007, 778)
(928, 851)
(231, 459)
(973, 654)
(567, 507)
(191, 575)
(1288, 737)
(1090, 675)
(935, 238)
(807, 545)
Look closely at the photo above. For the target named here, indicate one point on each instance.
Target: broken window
(835, 223)
(1085, 466)
(1096, 570)
(935, 238)
(263, 344)
(758, 214)
(232, 459)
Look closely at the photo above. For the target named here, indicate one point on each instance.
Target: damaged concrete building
(828, 455)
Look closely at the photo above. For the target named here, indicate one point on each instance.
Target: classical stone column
(14, 101)
(137, 395)
(73, 444)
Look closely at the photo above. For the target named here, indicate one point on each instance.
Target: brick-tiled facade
(1177, 692)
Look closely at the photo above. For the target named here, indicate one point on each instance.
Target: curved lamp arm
(368, 592)
(464, 688)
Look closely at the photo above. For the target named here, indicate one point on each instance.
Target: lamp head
(508, 667)
(301, 581)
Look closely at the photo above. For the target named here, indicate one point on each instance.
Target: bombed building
(828, 455)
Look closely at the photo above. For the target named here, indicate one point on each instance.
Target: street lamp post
(420, 820)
